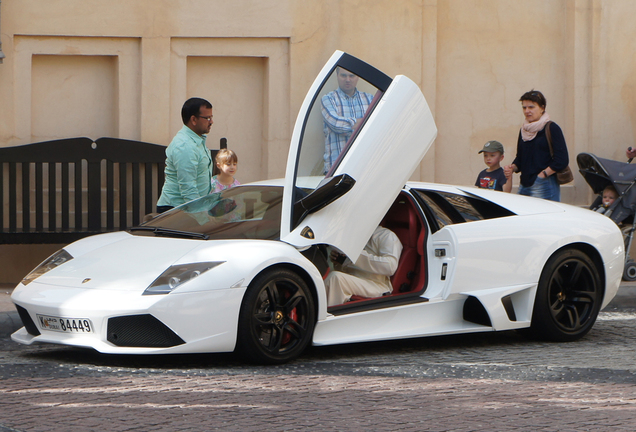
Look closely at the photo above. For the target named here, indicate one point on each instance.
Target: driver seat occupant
(370, 275)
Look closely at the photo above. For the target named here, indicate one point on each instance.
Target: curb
(9, 323)
(625, 297)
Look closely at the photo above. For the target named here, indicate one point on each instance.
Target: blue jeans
(543, 188)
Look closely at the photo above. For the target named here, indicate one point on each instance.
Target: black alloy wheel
(277, 318)
(568, 297)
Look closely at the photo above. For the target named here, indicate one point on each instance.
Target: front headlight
(55, 260)
(178, 274)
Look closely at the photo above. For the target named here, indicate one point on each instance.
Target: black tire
(629, 273)
(568, 298)
(277, 318)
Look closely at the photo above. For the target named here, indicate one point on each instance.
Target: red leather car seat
(404, 222)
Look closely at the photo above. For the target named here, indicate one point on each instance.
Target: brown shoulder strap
(548, 136)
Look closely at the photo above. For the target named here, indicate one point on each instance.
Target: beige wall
(120, 68)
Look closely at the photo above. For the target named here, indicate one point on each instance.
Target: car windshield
(241, 212)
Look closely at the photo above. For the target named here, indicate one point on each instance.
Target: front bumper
(128, 323)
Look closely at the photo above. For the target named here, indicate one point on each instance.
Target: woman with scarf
(537, 164)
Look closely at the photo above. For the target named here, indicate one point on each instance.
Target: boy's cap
(492, 146)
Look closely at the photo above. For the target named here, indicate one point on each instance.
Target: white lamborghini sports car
(244, 269)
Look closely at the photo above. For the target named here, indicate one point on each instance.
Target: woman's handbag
(564, 176)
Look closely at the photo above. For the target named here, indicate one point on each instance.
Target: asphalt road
(483, 382)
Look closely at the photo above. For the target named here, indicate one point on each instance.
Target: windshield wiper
(170, 232)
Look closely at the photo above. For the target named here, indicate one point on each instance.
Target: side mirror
(327, 192)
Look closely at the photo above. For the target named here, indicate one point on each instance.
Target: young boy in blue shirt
(493, 177)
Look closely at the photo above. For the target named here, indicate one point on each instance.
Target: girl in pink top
(227, 163)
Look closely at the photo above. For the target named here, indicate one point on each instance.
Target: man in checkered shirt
(342, 111)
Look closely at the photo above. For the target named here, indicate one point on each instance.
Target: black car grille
(143, 331)
(27, 322)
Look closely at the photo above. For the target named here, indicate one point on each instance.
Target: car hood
(119, 261)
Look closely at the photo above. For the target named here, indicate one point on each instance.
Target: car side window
(441, 218)
(448, 208)
(464, 206)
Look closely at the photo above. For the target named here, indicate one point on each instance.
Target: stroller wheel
(629, 274)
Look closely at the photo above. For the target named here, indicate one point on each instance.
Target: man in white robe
(370, 275)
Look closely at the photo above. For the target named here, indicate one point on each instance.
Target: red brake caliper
(293, 315)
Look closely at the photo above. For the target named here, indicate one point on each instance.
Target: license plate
(65, 325)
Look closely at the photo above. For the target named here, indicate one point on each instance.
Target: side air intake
(27, 322)
(475, 312)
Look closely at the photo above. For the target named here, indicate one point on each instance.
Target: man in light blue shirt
(188, 161)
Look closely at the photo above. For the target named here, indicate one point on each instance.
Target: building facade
(123, 69)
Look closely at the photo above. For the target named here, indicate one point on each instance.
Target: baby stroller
(599, 173)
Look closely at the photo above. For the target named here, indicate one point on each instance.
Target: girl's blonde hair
(225, 157)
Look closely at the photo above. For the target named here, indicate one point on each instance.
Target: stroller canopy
(600, 173)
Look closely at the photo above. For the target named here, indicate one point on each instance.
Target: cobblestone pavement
(483, 382)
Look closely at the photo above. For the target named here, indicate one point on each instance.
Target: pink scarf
(529, 130)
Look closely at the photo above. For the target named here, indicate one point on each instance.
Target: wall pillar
(578, 96)
(155, 94)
